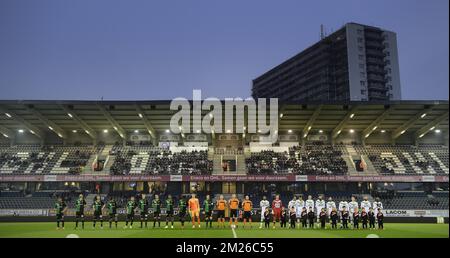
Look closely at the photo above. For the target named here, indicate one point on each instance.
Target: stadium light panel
(402, 132)
(352, 131)
(383, 131)
(352, 115)
(31, 131)
(198, 131)
(289, 131)
(74, 131)
(437, 131)
(167, 131)
(51, 128)
(105, 131)
(20, 131)
(70, 115)
(140, 115)
(432, 128)
(320, 131)
(8, 115)
(5, 135)
(136, 131)
(281, 115)
(423, 115)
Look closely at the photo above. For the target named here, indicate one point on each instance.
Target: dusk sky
(144, 50)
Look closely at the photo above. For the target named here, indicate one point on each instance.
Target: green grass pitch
(48, 230)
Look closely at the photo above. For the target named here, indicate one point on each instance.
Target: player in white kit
(263, 204)
(376, 205)
(320, 204)
(330, 205)
(342, 204)
(291, 205)
(352, 206)
(299, 205)
(309, 204)
(365, 204)
(292, 202)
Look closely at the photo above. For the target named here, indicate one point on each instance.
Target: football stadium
(119, 169)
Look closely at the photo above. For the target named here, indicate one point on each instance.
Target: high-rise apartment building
(355, 63)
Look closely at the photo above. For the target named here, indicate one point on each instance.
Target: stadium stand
(25, 159)
(312, 159)
(155, 160)
(407, 159)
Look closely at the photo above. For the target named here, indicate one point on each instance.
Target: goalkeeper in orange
(194, 210)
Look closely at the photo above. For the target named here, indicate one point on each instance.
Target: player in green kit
(80, 203)
(60, 209)
(131, 206)
(156, 205)
(143, 209)
(182, 209)
(98, 207)
(169, 210)
(208, 207)
(112, 210)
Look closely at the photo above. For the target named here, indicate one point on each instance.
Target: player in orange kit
(234, 210)
(247, 206)
(194, 210)
(221, 205)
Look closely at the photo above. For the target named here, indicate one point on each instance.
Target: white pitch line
(234, 232)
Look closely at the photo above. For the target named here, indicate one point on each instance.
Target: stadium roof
(62, 117)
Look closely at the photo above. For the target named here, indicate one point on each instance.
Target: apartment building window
(362, 66)
(388, 53)
(362, 74)
(363, 92)
(361, 57)
(388, 62)
(386, 45)
(390, 87)
(389, 70)
(360, 40)
(361, 49)
(359, 32)
(362, 83)
(389, 78)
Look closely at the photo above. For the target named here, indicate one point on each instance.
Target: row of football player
(296, 207)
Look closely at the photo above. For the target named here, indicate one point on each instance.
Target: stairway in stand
(352, 155)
